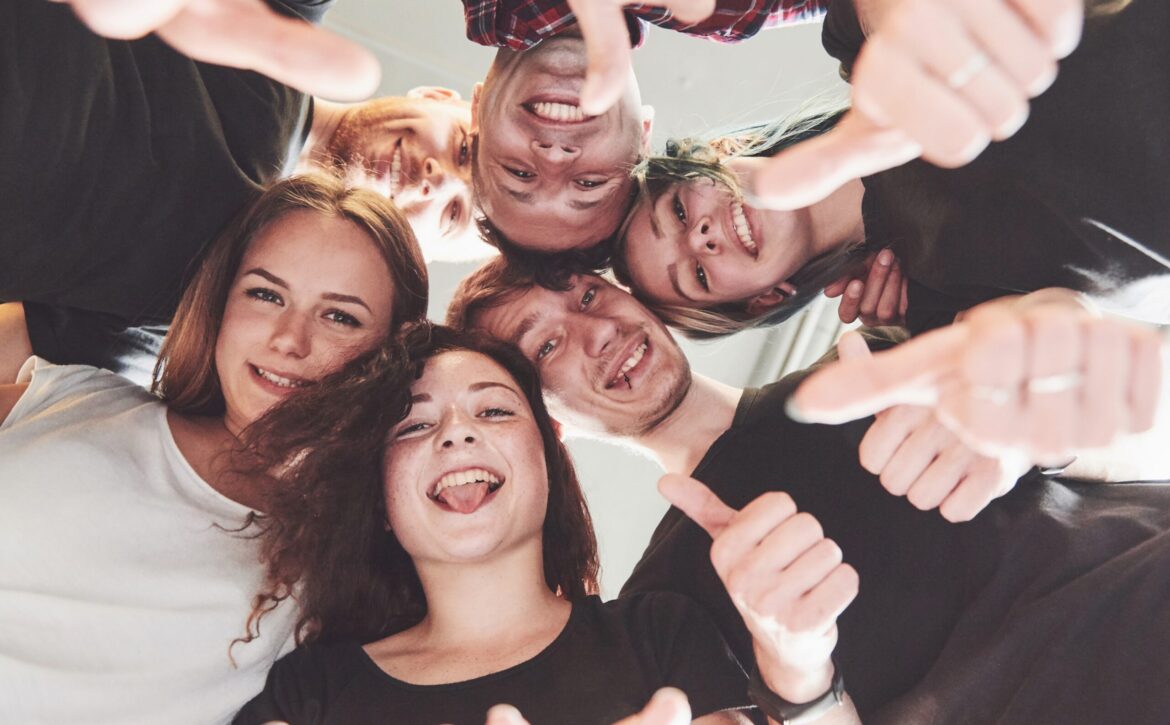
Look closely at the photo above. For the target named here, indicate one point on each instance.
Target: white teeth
(280, 381)
(558, 111)
(460, 478)
(634, 358)
(741, 227)
(396, 172)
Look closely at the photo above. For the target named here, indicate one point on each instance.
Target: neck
(327, 117)
(487, 601)
(681, 441)
(836, 219)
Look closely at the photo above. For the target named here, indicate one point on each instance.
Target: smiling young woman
(438, 542)
(132, 503)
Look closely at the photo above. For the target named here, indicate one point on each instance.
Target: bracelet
(787, 713)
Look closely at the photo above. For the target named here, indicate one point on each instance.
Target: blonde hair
(185, 374)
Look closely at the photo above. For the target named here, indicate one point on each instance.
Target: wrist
(796, 684)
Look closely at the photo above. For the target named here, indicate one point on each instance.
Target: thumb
(690, 12)
(852, 389)
(607, 48)
(504, 715)
(852, 346)
(811, 170)
(668, 706)
(696, 501)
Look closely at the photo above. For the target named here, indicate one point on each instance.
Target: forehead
(510, 319)
(456, 371)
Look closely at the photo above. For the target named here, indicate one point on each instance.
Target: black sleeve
(69, 336)
(691, 654)
(310, 10)
(294, 691)
(841, 34)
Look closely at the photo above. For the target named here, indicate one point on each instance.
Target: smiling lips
(465, 491)
(280, 381)
(631, 362)
(743, 230)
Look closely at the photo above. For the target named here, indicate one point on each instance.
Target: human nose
(702, 239)
(600, 333)
(433, 177)
(291, 335)
(457, 429)
(555, 153)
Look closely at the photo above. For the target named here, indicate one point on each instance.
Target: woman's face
(464, 472)
(697, 246)
(311, 293)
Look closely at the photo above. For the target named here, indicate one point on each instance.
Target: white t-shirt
(122, 583)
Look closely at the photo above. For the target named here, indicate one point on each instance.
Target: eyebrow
(672, 272)
(474, 387)
(334, 296)
(525, 327)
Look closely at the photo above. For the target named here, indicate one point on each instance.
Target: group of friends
(323, 508)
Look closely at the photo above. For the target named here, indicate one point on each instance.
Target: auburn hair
(185, 375)
(324, 537)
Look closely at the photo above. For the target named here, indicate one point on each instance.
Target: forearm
(804, 686)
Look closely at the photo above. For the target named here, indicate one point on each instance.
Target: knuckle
(808, 525)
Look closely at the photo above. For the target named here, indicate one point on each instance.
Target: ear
(769, 300)
(647, 127)
(476, 92)
(433, 93)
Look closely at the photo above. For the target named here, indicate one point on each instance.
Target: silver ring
(992, 394)
(1055, 383)
(966, 73)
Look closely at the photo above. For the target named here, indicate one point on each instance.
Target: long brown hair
(185, 374)
(323, 537)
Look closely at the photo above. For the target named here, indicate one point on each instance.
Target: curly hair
(323, 536)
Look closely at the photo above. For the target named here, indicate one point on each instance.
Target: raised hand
(607, 43)
(243, 34)
(1039, 375)
(938, 79)
(915, 456)
(879, 298)
(785, 578)
(668, 706)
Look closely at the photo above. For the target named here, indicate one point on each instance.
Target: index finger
(607, 48)
(811, 170)
(697, 502)
(852, 389)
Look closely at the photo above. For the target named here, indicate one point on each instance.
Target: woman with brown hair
(432, 529)
(127, 501)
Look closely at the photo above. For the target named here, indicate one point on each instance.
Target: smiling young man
(968, 618)
(123, 159)
(548, 176)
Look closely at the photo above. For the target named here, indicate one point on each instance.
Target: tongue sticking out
(465, 499)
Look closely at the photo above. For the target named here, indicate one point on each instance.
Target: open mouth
(279, 381)
(560, 110)
(396, 171)
(465, 491)
(629, 365)
(743, 230)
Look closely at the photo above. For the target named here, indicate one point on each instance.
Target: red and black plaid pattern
(521, 24)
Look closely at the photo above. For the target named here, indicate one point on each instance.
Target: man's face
(416, 150)
(606, 363)
(548, 177)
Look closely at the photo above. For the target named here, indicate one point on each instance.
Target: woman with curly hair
(123, 574)
(1075, 199)
(455, 568)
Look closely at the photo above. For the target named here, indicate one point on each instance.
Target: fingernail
(855, 289)
(885, 257)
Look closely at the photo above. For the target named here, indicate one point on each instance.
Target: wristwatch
(787, 713)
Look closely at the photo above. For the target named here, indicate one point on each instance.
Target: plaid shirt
(521, 24)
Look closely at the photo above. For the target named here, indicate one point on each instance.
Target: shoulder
(302, 684)
(63, 387)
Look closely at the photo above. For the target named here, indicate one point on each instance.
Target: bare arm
(15, 347)
(9, 394)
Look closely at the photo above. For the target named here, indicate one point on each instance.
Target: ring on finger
(1050, 384)
(966, 73)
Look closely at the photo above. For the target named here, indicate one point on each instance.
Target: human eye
(406, 430)
(464, 152)
(701, 277)
(588, 297)
(496, 412)
(264, 295)
(589, 183)
(520, 173)
(342, 318)
(680, 211)
(545, 349)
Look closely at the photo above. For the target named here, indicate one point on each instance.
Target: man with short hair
(970, 621)
(121, 160)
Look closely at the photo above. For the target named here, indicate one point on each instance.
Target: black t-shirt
(1059, 203)
(1050, 606)
(605, 665)
(120, 161)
